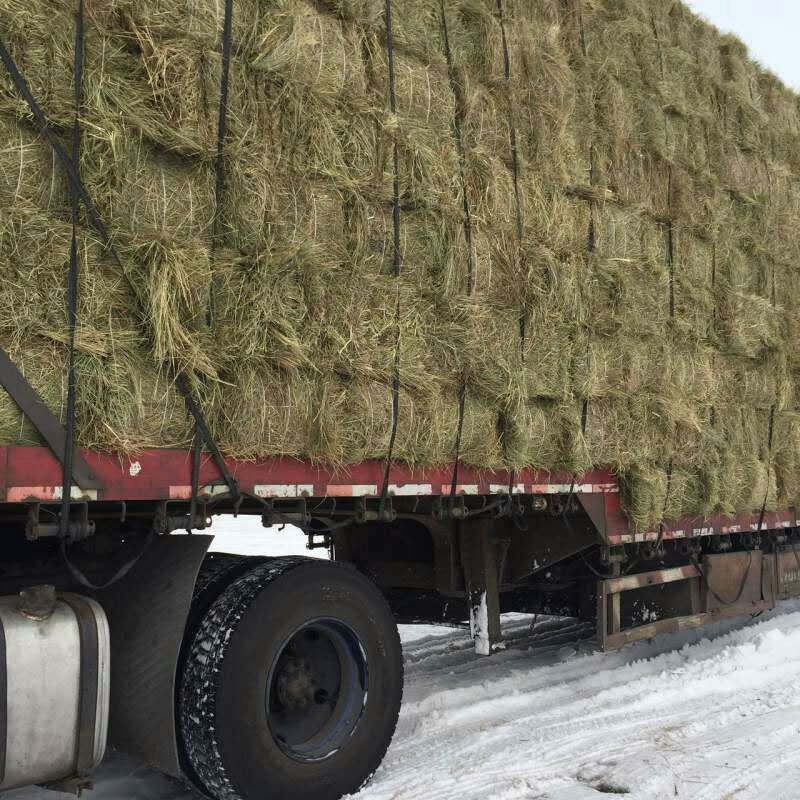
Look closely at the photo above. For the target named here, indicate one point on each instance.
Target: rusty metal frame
(612, 636)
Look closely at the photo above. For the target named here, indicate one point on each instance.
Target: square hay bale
(28, 170)
(137, 188)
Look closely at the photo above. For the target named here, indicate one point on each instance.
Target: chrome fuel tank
(54, 687)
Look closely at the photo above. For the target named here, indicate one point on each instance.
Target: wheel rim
(316, 690)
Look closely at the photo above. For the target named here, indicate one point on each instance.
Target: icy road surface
(711, 715)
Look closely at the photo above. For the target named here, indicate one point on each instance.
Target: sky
(770, 28)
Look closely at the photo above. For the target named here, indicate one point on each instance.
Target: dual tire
(291, 683)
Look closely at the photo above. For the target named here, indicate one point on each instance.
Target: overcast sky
(770, 28)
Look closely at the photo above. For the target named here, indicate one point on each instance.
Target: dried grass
(644, 317)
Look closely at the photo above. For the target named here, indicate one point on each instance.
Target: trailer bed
(33, 474)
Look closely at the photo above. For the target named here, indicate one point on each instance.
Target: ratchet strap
(89, 682)
(222, 132)
(467, 224)
(72, 285)
(397, 258)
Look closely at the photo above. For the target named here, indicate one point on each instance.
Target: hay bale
(625, 298)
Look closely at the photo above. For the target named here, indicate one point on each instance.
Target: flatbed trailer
(246, 675)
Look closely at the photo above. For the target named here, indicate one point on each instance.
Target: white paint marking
(502, 488)
(410, 489)
(284, 490)
(479, 626)
(352, 490)
(185, 492)
(19, 494)
(461, 488)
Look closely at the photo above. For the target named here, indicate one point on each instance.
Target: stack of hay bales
(624, 293)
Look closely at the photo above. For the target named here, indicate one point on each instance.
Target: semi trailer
(282, 677)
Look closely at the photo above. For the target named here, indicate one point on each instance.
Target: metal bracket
(43, 419)
(295, 513)
(77, 529)
(456, 508)
(384, 513)
(321, 539)
(613, 554)
(77, 785)
(164, 523)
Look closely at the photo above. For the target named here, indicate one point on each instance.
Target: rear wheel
(292, 684)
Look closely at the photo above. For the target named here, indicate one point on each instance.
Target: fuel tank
(54, 687)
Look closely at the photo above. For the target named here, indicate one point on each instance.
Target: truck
(256, 677)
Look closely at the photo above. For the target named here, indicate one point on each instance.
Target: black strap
(666, 503)
(462, 168)
(512, 126)
(517, 201)
(395, 404)
(3, 703)
(202, 435)
(89, 680)
(770, 433)
(571, 492)
(591, 236)
(582, 31)
(77, 185)
(44, 420)
(514, 161)
(459, 138)
(72, 284)
(81, 578)
(222, 131)
(671, 261)
(201, 429)
(397, 259)
(197, 455)
(462, 398)
(712, 416)
(742, 586)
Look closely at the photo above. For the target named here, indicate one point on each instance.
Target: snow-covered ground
(707, 715)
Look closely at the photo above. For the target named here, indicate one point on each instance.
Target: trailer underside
(495, 542)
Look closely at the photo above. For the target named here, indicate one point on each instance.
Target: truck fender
(147, 613)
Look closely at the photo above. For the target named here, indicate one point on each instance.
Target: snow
(702, 715)
(479, 626)
(247, 536)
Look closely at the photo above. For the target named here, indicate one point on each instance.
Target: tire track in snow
(533, 727)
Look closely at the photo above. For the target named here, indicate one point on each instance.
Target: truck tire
(292, 684)
(217, 572)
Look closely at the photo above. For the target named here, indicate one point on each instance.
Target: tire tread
(197, 703)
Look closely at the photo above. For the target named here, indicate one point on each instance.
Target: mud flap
(147, 613)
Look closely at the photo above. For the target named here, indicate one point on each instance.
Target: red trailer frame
(34, 474)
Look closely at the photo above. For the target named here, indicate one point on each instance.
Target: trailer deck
(34, 475)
